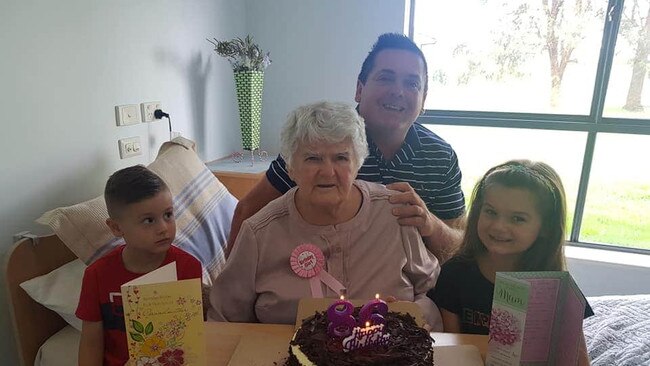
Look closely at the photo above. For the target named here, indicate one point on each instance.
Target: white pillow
(59, 290)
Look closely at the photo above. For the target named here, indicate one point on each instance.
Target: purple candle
(373, 312)
(341, 320)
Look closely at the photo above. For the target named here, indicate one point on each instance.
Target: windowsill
(607, 256)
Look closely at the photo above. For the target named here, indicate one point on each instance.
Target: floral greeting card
(164, 319)
(536, 319)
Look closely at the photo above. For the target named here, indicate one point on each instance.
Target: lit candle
(341, 320)
(373, 311)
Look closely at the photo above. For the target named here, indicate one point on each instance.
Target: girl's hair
(547, 252)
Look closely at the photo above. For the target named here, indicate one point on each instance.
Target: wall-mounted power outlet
(147, 110)
(130, 147)
(127, 114)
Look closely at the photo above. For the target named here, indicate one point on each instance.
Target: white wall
(602, 272)
(317, 48)
(603, 278)
(65, 64)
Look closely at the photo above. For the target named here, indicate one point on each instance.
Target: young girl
(516, 223)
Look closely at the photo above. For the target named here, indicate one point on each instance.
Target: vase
(250, 85)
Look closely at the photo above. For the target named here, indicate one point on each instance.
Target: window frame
(593, 124)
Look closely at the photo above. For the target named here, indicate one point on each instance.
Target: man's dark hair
(392, 41)
(131, 185)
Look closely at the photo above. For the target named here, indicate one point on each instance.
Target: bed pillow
(203, 208)
(56, 350)
(59, 290)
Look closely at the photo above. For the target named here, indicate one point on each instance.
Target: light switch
(127, 114)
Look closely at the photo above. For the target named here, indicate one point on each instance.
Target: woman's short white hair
(329, 122)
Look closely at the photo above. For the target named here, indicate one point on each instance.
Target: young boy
(140, 210)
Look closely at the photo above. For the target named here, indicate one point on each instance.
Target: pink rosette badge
(308, 261)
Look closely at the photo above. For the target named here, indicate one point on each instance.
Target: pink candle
(341, 320)
(373, 312)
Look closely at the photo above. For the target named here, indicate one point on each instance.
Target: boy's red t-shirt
(101, 297)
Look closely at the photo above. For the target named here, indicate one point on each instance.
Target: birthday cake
(401, 342)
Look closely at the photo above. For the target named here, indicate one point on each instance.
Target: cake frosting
(409, 344)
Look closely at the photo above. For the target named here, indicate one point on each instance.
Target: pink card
(536, 319)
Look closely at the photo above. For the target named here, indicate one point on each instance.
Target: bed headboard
(32, 322)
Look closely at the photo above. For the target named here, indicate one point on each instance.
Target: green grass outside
(615, 214)
(618, 214)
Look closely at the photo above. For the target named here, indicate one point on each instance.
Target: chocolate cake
(408, 345)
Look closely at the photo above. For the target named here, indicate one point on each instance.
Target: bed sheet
(619, 332)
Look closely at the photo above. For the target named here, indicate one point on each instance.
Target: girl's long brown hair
(547, 252)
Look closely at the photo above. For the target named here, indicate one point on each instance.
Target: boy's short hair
(392, 41)
(131, 185)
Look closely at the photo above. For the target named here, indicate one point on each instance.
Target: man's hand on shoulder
(414, 212)
(441, 237)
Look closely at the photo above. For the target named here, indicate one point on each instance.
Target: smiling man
(404, 155)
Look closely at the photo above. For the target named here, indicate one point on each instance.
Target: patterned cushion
(203, 209)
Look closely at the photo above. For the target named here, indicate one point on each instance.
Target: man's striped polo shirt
(425, 161)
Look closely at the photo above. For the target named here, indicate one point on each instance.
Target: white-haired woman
(328, 233)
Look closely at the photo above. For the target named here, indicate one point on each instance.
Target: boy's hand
(91, 345)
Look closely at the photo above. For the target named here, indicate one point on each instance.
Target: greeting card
(164, 319)
(536, 319)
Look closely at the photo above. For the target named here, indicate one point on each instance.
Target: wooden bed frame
(33, 323)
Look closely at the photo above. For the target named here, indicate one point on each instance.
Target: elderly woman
(327, 233)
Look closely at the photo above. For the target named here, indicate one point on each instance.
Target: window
(497, 145)
(617, 209)
(506, 60)
(627, 90)
(565, 84)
